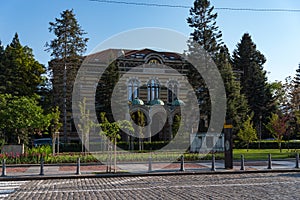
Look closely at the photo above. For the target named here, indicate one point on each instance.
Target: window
(172, 91)
(153, 90)
(133, 89)
(154, 61)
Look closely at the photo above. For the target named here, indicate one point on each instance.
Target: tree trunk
(115, 156)
(280, 149)
(53, 143)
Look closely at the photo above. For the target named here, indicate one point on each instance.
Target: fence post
(182, 163)
(42, 166)
(242, 162)
(3, 167)
(297, 160)
(213, 163)
(78, 166)
(269, 161)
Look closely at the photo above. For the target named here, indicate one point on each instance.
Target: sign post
(228, 145)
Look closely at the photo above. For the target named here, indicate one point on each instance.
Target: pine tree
(69, 41)
(2, 69)
(294, 103)
(249, 62)
(296, 90)
(203, 47)
(203, 21)
(66, 49)
(237, 107)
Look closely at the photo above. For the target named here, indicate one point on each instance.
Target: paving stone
(217, 186)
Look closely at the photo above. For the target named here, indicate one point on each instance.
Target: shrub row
(76, 147)
(268, 145)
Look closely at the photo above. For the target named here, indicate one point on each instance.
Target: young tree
(84, 125)
(55, 126)
(66, 50)
(249, 62)
(139, 119)
(278, 127)
(112, 130)
(21, 74)
(247, 133)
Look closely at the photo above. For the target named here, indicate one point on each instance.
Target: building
(152, 82)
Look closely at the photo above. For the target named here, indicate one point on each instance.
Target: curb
(149, 174)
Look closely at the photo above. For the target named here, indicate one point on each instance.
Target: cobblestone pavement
(217, 186)
(8, 187)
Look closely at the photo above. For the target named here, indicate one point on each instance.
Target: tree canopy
(237, 107)
(21, 74)
(21, 117)
(205, 31)
(249, 61)
(69, 41)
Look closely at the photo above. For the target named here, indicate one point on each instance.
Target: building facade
(152, 82)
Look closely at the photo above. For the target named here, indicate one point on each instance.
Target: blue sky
(276, 34)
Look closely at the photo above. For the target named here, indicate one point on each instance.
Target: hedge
(268, 145)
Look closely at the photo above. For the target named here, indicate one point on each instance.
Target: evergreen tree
(203, 21)
(296, 90)
(293, 105)
(237, 107)
(2, 69)
(69, 41)
(66, 49)
(105, 89)
(206, 35)
(21, 74)
(249, 62)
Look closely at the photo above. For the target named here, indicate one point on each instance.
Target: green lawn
(262, 154)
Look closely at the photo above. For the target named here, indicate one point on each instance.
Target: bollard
(182, 163)
(78, 166)
(297, 160)
(3, 167)
(150, 164)
(270, 162)
(242, 162)
(213, 163)
(42, 167)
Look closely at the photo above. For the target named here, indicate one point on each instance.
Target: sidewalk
(90, 170)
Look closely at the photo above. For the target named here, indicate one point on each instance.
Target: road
(217, 186)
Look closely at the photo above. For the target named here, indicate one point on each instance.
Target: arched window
(133, 89)
(153, 90)
(172, 91)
